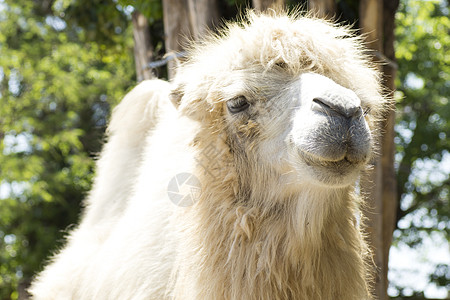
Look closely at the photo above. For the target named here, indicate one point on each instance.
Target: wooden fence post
(143, 49)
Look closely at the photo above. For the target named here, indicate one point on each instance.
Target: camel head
(293, 98)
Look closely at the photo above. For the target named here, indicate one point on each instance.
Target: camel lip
(341, 164)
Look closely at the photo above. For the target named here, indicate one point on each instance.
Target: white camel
(272, 122)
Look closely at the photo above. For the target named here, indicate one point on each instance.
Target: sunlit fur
(263, 226)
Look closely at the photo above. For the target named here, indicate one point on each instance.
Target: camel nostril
(321, 106)
(329, 106)
(321, 103)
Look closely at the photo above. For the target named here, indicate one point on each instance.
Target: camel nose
(347, 107)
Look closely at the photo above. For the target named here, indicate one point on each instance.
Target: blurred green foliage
(65, 63)
(57, 86)
(423, 125)
(423, 53)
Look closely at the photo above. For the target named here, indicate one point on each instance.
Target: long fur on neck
(265, 244)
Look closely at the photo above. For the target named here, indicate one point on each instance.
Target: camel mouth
(341, 166)
(313, 160)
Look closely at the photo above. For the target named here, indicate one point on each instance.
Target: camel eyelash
(366, 111)
(238, 104)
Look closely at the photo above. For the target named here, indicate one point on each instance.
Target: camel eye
(237, 104)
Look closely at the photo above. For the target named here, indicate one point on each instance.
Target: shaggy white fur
(276, 118)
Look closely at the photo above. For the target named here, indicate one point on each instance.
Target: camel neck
(289, 250)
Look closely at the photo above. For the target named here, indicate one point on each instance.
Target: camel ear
(176, 95)
(186, 103)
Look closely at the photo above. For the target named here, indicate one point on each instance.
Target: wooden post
(371, 23)
(322, 8)
(143, 49)
(184, 20)
(262, 5)
(389, 175)
(372, 184)
(203, 14)
(176, 28)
